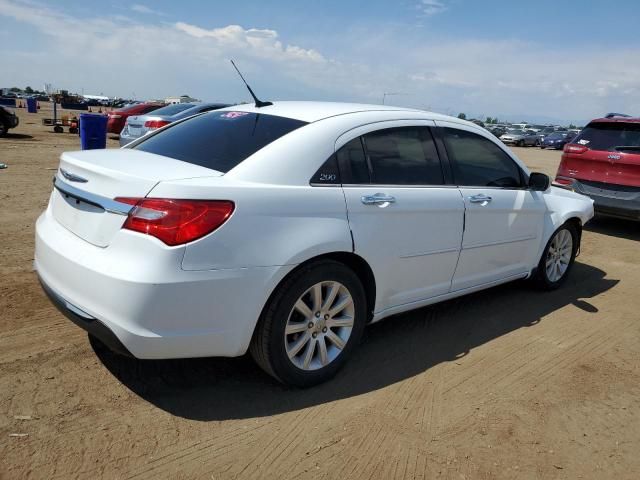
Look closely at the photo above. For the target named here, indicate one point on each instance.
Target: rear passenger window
(403, 156)
(478, 162)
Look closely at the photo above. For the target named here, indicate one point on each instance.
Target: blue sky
(569, 60)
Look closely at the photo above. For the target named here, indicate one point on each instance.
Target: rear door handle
(480, 198)
(377, 199)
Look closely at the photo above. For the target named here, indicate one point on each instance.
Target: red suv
(117, 118)
(603, 162)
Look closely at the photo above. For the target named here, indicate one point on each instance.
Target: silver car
(137, 126)
(520, 138)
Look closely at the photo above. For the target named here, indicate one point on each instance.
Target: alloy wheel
(319, 325)
(559, 255)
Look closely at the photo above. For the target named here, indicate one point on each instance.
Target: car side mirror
(539, 182)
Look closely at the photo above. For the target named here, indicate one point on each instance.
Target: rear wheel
(3, 129)
(311, 324)
(558, 257)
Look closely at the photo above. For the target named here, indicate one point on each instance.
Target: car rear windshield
(610, 136)
(218, 140)
(173, 109)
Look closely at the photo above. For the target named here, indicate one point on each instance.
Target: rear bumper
(610, 200)
(85, 321)
(134, 296)
(126, 138)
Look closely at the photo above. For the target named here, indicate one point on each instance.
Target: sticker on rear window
(583, 142)
(234, 114)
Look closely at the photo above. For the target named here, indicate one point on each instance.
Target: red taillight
(114, 115)
(176, 221)
(156, 123)
(575, 148)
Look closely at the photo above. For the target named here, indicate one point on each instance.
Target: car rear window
(218, 140)
(610, 136)
(173, 109)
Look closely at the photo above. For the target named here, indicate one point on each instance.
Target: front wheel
(3, 129)
(558, 257)
(311, 324)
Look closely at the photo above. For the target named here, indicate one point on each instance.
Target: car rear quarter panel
(272, 225)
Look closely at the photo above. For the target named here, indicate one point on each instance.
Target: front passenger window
(478, 162)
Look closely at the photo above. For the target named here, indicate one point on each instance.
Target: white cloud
(139, 8)
(117, 57)
(431, 7)
(260, 42)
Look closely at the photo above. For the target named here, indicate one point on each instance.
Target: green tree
(489, 120)
(14, 89)
(28, 89)
(462, 116)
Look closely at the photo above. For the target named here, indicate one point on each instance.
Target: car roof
(314, 111)
(616, 120)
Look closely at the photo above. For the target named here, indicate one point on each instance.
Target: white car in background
(285, 229)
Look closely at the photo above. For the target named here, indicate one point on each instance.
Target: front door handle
(480, 198)
(377, 199)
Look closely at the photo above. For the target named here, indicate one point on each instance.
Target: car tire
(557, 257)
(3, 129)
(330, 340)
(520, 143)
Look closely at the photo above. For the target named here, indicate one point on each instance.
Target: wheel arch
(355, 262)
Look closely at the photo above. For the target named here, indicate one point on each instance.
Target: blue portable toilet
(32, 105)
(93, 131)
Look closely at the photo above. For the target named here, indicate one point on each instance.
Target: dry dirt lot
(507, 383)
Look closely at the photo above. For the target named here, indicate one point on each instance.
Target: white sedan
(285, 229)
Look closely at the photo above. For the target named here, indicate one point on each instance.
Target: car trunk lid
(87, 183)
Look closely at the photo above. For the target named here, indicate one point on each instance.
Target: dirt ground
(507, 383)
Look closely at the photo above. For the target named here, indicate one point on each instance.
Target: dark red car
(603, 162)
(117, 118)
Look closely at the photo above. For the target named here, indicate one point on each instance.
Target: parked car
(8, 120)
(545, 131)
(603, 162)
(285, 229)
(520, 138)
(116, 119)
(556, 140)
(497, 131)
(139, 125)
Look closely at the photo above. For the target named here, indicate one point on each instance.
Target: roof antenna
(259, 103)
